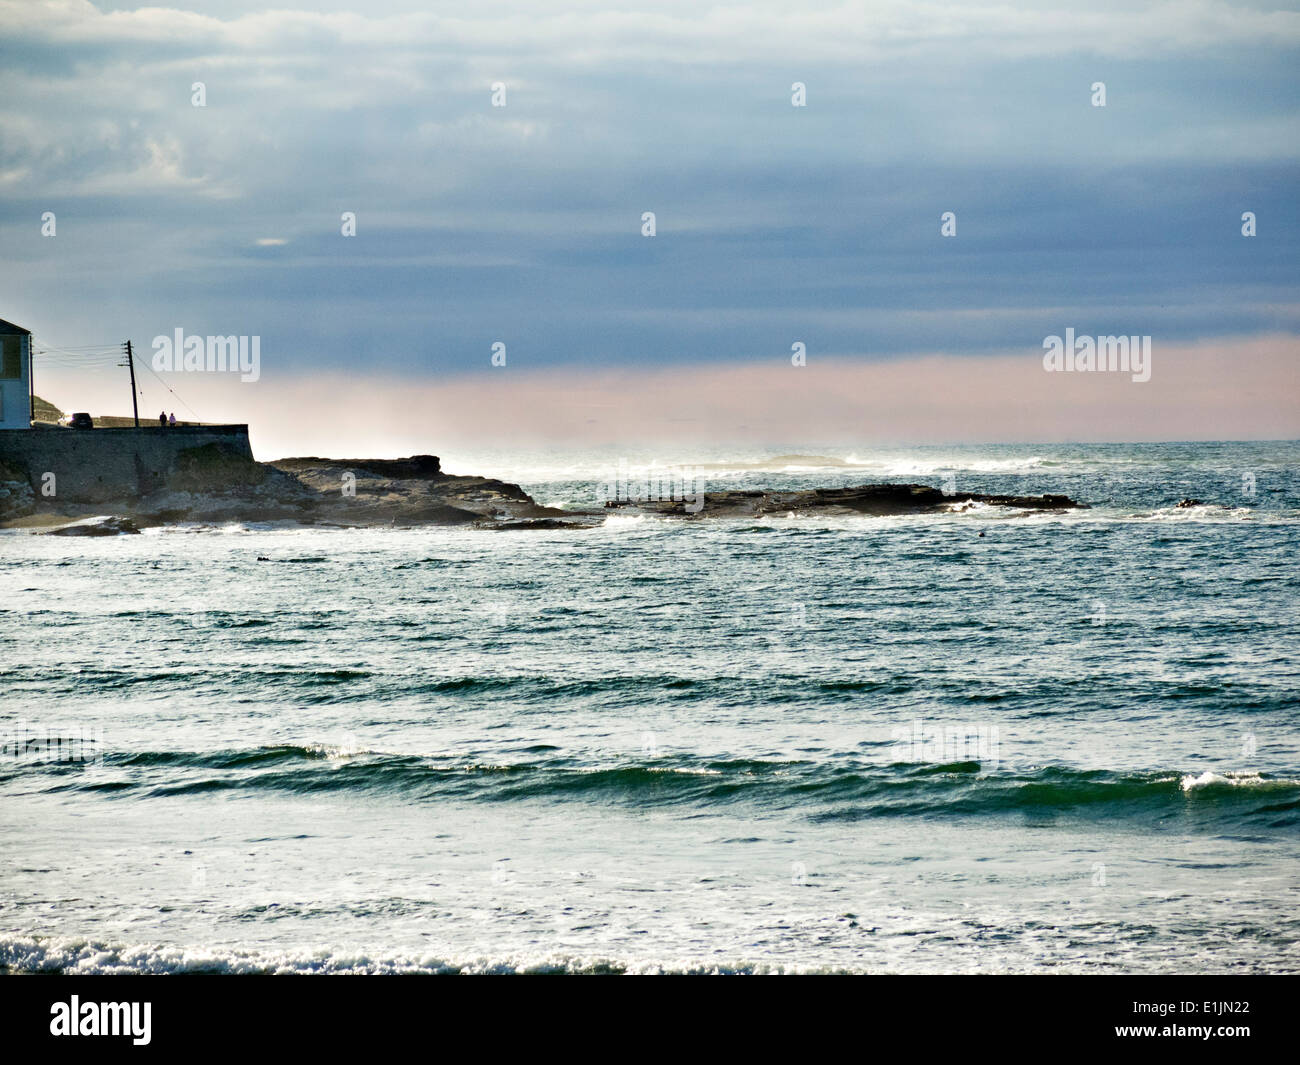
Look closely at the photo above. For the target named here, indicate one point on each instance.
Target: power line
(39, 345)
(169, 388)
(99, 356)
(73, 355)
(63, 360)
(42, 341)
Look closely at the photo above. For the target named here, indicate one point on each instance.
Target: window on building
(11, 358)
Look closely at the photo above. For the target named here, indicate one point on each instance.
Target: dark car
(81, 421)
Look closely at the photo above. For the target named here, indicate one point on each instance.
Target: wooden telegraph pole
(135, 402)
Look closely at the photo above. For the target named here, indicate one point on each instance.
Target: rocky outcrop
(16, 496)
(409, 491)
(110, 526)
(417, 467)
(211, 483)
(535, 524)
(875, 499)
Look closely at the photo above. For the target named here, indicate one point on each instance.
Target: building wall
(15, 392)
(110, 465)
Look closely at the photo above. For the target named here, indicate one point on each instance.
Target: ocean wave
(848, 789)
(80, 957)
(1209, 781)
(628, 522)
(1206, 512)
(929, 467)
(884, 465)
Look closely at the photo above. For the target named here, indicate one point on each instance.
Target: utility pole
(135, 402)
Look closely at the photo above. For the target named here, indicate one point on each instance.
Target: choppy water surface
(966, 742)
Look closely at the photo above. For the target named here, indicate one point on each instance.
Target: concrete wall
(15, 392)
(110, 465)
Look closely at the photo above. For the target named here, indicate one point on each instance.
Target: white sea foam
(1203, 512)
(927, 467)
(1232, 779)
(80, 957)
(878, 466)
(629, 522)
(975, 506)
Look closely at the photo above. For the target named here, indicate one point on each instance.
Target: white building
(15, 376)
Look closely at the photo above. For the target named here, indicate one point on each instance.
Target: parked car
(81, 421)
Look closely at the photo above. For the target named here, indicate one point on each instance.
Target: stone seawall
(111, 465)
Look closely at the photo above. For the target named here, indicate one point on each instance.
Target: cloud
(521, 224)
(681, 30)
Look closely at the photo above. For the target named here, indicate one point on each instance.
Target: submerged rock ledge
(876, 499)
(213, 486)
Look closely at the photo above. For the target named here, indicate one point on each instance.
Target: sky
(775, 225)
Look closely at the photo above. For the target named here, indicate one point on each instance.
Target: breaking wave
(842, 789)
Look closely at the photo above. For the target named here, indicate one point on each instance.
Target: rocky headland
(213, 486)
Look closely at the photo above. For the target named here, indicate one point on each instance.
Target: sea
(975, 741)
